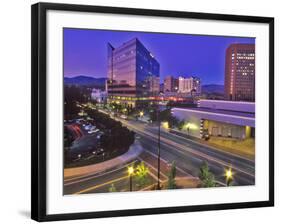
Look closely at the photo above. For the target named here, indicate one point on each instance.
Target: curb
(134, 151)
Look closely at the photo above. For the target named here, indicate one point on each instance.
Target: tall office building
(171, 84)
(239, 82)
(190, 85)
(129, 67)
(153, 83)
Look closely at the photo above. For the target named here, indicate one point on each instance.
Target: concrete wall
(228, 105)
(225, 130)
(185, 113)
(218, 125)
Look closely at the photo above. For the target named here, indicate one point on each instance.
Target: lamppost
(158, 173)
(228, 176)
(131, 172)
(141, 113)
(158, 153)
(125, 110)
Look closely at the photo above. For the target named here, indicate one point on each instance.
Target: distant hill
(212, 88)
(86, 81)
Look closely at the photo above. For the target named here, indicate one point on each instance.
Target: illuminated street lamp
(165, 125)
(141, 113)
(131, 172)
(228, 176)
(158, 154)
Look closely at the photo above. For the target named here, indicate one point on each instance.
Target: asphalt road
(188, 155)
(99, 183)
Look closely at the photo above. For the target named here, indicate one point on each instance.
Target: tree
(207, 178)
(164, 115)
(181, 125)
(142, 174)
(172, 176)
(112, 188)
(116, 136)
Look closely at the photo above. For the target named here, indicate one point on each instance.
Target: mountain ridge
(212, 88)
(85, 81)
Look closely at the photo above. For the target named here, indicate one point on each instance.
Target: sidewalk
(134, 151)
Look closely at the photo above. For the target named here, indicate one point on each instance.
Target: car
(124, 116)
(99, 136)
(99, 152)
(79, 121)
(93, 128)
(206, 137)
(96, 130)
(91, 131)
(88, 127)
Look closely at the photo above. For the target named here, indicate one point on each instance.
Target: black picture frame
(39, 122)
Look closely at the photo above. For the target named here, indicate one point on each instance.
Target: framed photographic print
(138, 111)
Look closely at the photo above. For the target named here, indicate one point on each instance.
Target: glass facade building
(130, 67)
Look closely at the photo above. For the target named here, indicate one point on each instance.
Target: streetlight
(158, 153)
(141, 113)
(228, 176)
(159, 143)
(165, 125)
(103, 156)
(131, 172)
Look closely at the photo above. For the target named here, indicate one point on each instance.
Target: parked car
(124, 117)
(79, 121)
(93, 131)
(88, 127)
(99, 152)
(99, 135)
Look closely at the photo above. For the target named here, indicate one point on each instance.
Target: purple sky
(85, 52)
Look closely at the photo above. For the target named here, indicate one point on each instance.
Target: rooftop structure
(219, 118)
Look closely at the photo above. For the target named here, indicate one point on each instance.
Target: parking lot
(85, 147)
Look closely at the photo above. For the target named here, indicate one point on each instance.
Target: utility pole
(159, 123)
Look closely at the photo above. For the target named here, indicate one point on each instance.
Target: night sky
(85, 53)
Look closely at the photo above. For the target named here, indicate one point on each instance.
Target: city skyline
(85, 53)
(132, 136)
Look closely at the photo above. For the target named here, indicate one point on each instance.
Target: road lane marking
(101, 185)
(180, 152)
(148, 187)
(205, 156)
(90, 176)
(178, 147)
(152, 167)
(211, 147)
(165, 161)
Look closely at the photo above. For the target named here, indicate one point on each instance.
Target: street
(188, 155)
